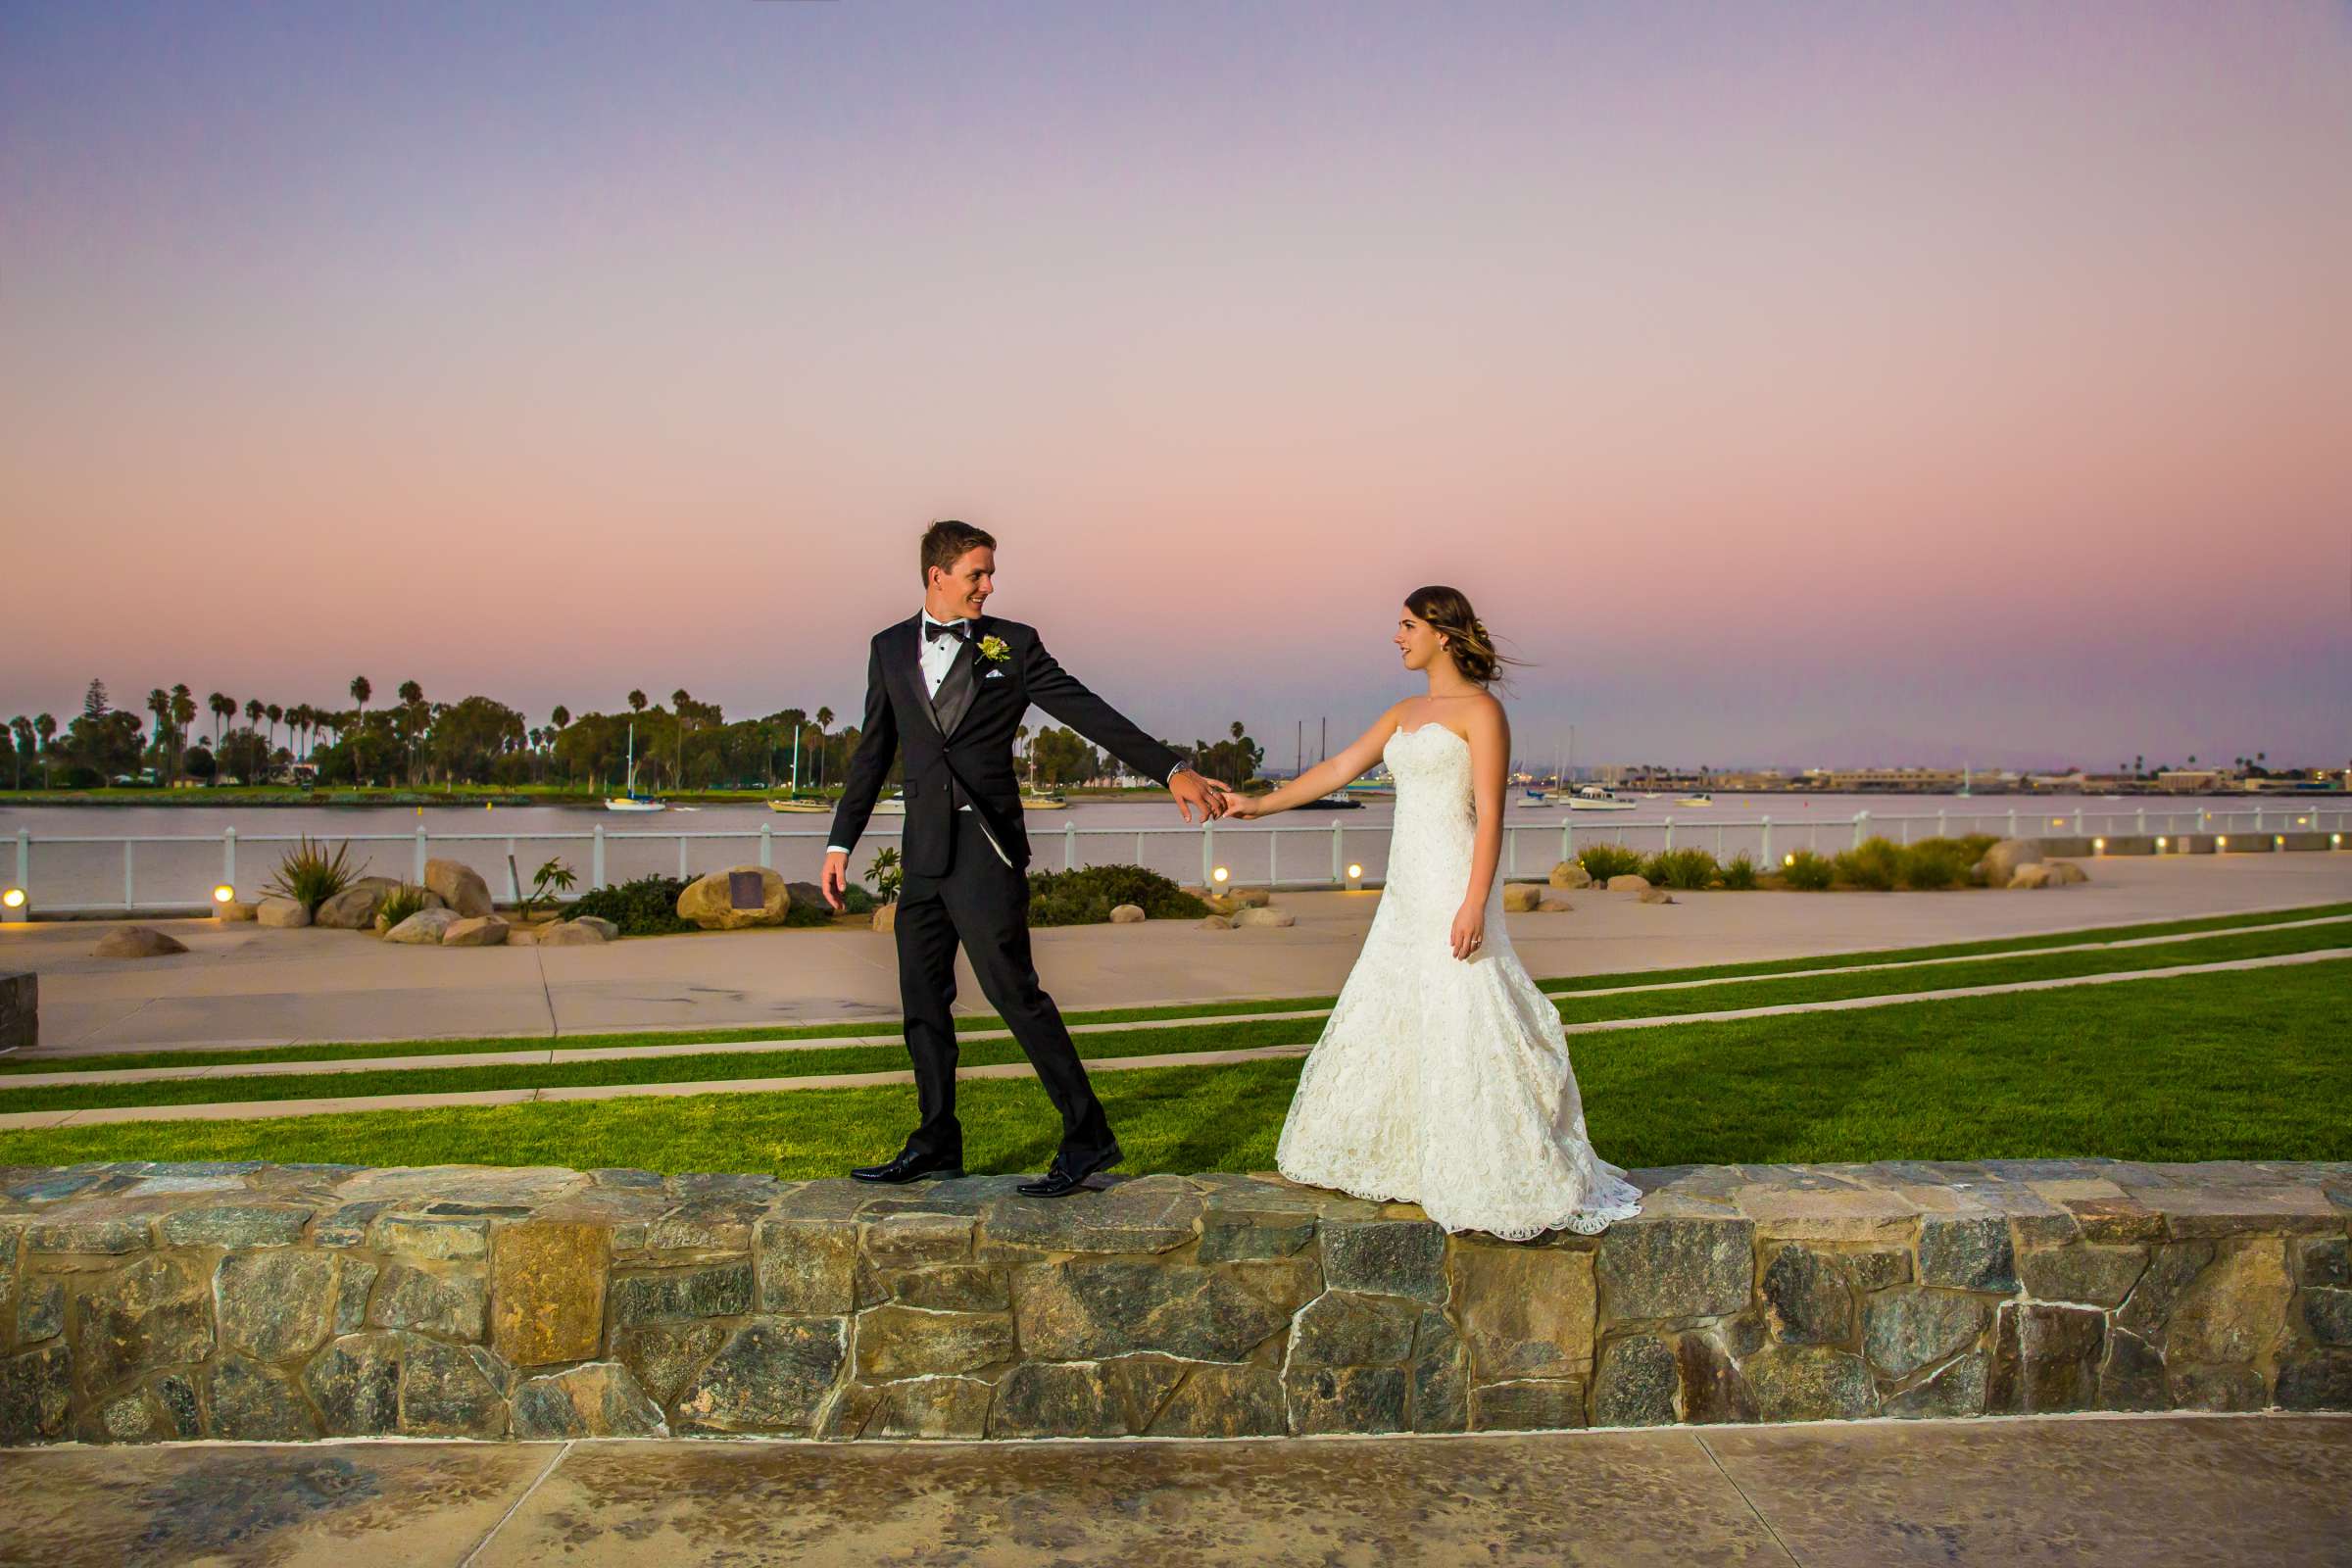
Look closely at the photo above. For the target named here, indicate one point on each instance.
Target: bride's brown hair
(1448, 611)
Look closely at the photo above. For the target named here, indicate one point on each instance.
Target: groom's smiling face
(960, 590)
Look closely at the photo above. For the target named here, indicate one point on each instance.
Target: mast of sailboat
(795, 758)
(630, 787)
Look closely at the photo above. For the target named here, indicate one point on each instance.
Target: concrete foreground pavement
(240, 985)
(2146, 1491)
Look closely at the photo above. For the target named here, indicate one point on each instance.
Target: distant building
(2191, 780)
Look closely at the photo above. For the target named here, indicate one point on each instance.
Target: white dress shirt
(938, 656)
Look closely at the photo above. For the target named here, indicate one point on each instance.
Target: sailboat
(629, 800)
(793, 801)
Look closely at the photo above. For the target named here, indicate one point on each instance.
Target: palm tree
(277, 712)
(46, 727)
(159, 703)
(679, 702)
(562, 717)
(222, 707)
(21, 728)
(636, 702)
(360, 691)
(183, 715)
(824, 722)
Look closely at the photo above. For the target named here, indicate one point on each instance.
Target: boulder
(1216, 923)
(1555, 906)
(709, 900)
(601, 927)
(1654, 896)
(1252, 898)
(1520, 897)
(285, 913)
(481, 931)
(461, 887)
(1255, 917)
(138, 942)
(1571, 874)
(2033, 875)
(808, 896)
(2065, 873)
(571, 934)
(1127, 915)
(1629, 882)
(426, 927)
(354, 908)
(885, 916)
(233, 909)
(2002, 862)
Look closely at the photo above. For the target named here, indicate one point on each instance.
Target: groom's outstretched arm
(869, 764)
(1068, 697)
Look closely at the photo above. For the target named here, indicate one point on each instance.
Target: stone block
(942, 1288)
(808, 1268)
(236, 1225)
(1675, 1267)
(596, 1399)
(2316, 1380)
(2328, 1313)
(451, 1305)
(2322, 1261)
(277, 1303)
(1956, 1390)
(36, 1394)
(2235, 1310)
(431, 1237)
(721, 1290)
(1341, 1328)
(2046, 1359)
(2083, 1273)
(1905, 1330)
(910, 1240)
(1092, 1308)
(252, 1404)
(905, 1342)
(109, 1234)
(2132, 1376)
(1524, 1311)
(1527, 1406)
(664, 1356)
(1354, 1399)
(771, 1375)
(1972, 1252)
(1636, 1383)
(1082, 1400)
(1224, 1401)
(1152, 1214)
(155, 1312)
(41, 1309)
(1388, 1257)
(547, 1291)
(1809, 1296)
(2225, 1390)
(450, 1391)
(1809, 1382)
(1713, 1388)
(1438, 1392)
(1832, 1214)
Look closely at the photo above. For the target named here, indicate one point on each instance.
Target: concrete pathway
(257, 1109)
(243, 986)
(2152, 1492)
(550, 1056)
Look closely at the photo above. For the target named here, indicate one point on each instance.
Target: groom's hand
(1192, 789)
(836, 878)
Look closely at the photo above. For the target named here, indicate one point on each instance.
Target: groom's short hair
(947, 541)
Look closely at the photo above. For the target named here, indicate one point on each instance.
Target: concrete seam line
(1757, 1513)
(484, 1545)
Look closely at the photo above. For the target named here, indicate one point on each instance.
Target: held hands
(1245, 808)
(836, 878)
(1212, 797)
(1469, 930)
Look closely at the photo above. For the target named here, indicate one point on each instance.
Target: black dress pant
(983, 904)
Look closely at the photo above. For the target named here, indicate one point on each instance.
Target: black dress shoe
(908, 1166)
(1063, 1178)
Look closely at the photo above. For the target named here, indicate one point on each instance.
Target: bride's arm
(1489, 761)
(1322, 778)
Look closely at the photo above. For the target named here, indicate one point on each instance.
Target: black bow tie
(934, 630)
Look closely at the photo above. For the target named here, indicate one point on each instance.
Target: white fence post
(681, 856)
(1338, 854)
(127, 898)
(2078, 822)
(1568, 836)
(1765, 852)
(768, 846)
(1670, 835)
(24, 858)
(2142, 816)
(418, 878)
(596, 858)
(1069, 846)
(1274, 857)
(1861, 825)
(2013, 821)
(228, 855)
(1208, 854)
(1939, 829)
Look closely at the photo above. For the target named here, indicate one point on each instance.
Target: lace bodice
(1439, 1080)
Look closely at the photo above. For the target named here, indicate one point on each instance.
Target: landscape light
(2099, 845)
(224, 893)
(1356, 878)
(2057, 821)
(13, 899)
(2277, 841)
(2337, 841)
(1789, 859)
(2160, 843)
(2221, 841)
(1219, 875)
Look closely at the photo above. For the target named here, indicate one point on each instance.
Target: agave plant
(310, 876)
(399, 903)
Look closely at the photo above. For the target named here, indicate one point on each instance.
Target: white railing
(1317, 855)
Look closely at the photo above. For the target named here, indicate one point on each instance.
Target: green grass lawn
(717, 1066)
(2224, 1066)
(888, 1027)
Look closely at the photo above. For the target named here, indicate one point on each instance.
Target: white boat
(1593, 798)
(893, 805)
(629, 800)
(796, 804)
(1696, 799)
(1044, 802)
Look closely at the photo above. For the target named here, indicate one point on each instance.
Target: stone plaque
(743, 889)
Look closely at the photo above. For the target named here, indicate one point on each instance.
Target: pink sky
(1787, 383)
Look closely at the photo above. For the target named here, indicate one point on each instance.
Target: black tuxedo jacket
(958, 745)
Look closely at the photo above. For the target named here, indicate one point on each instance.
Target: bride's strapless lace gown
(1440, 1080)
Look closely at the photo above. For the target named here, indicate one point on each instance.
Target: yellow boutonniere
(993, 650)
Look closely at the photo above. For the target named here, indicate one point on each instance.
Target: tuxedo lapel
(961, 683)
(910, 661)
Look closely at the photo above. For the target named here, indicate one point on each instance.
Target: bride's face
(1417, 640)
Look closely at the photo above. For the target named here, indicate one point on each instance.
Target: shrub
(1740, 875)
(310, 876)
(1088, 895)
(1681, 868)
(1976, 843)
(887, 874)
(855, 899)
(1873, 863)
(645, 907)
(1604, 860)
(1935, 864)
(1808, 872)
(399, 903)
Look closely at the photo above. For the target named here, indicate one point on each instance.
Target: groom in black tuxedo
(950, 686)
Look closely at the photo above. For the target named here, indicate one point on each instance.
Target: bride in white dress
(1441, 1077)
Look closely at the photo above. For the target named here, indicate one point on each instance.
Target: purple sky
(1787, 383)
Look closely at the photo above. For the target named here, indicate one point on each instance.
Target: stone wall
(143, 1302)
(19, 1011)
